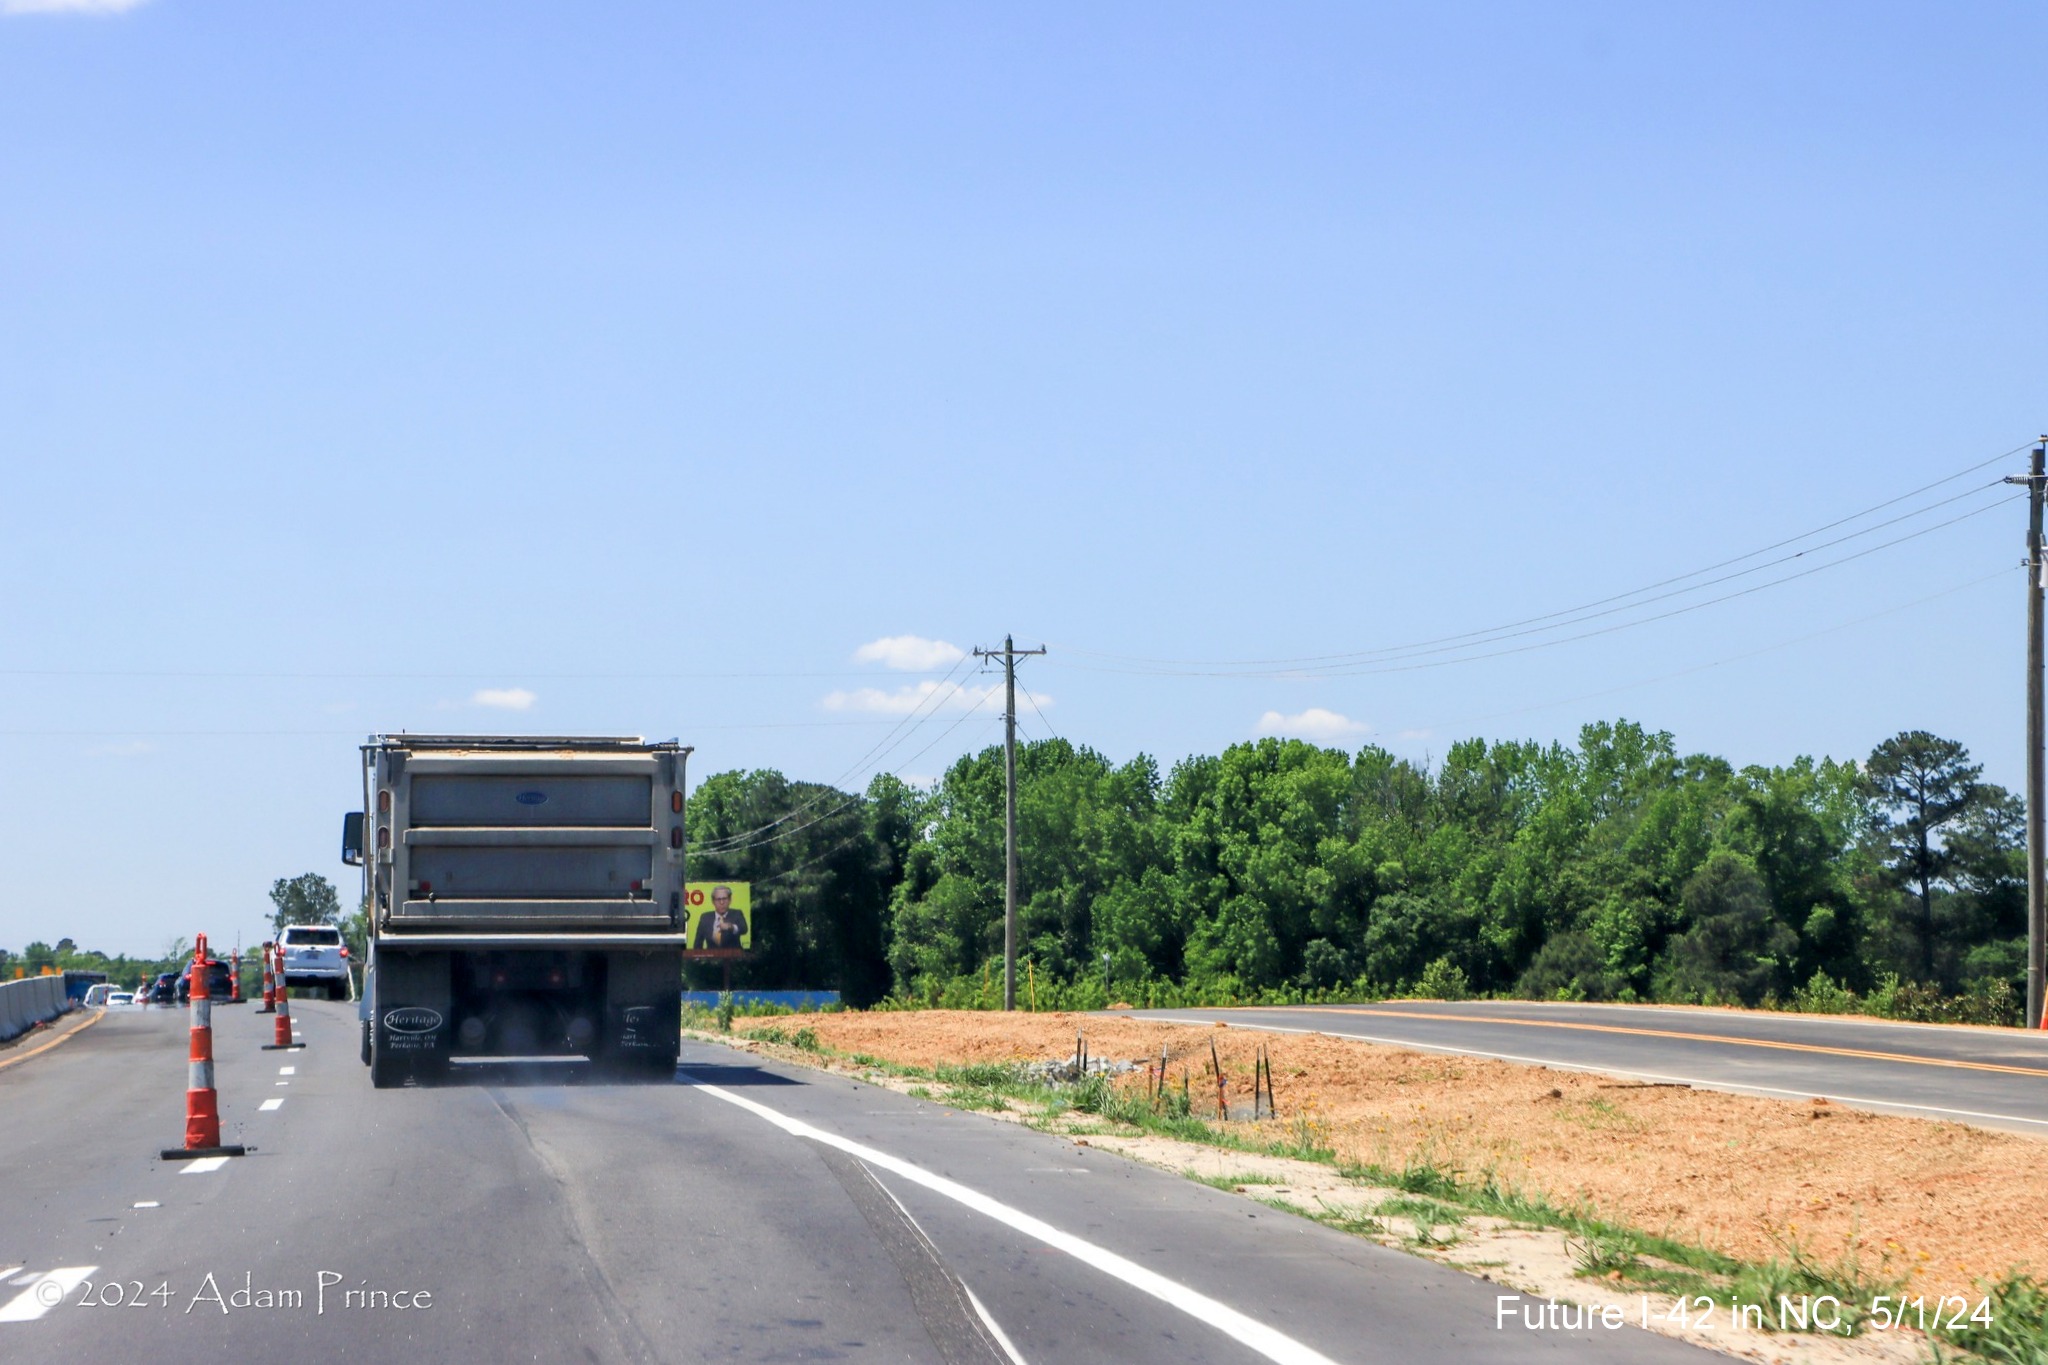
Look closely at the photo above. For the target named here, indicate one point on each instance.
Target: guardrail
(30, 1001)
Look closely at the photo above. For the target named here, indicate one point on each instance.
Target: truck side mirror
(352, 838)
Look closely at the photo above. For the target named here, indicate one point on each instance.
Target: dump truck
(525, 899)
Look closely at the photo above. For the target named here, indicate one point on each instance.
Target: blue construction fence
(789, 1000)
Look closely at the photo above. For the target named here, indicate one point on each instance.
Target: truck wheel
(366, 1042)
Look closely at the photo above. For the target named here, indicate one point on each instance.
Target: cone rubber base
(282, 1047)
(194, 1153)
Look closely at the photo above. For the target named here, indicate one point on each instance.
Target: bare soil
(1939, 1206)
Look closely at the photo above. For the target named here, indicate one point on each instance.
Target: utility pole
(2037, 758)
(1009, 654)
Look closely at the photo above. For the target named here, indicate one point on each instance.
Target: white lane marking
(46, 1293)
(284, 1082)
(9, 1271)
(270, 1104)
(987, 1319)
(203, 1165)
(1002, 1339)
(149, 1204)
(1267, 1342)
(287, 1071)
(1728, 1087)
(29, 1278)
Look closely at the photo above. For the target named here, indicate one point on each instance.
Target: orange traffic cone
(202, 1104)
(281, 1041)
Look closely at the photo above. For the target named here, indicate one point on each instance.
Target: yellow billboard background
(705, 931)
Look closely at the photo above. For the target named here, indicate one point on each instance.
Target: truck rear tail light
(675, 836)
(426, 888)
(675, 802)
(384, 801)
(384, 836)
(636, 884)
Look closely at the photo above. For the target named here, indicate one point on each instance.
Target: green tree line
(1613, 869)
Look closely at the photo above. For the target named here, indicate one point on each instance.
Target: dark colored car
(217, 981)
(162, 991)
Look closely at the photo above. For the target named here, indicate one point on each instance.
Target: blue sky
(631, 367)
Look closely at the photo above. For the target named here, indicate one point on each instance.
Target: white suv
(313, 956)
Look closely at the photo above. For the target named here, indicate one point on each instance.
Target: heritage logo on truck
(532, 798)
(413, 1019)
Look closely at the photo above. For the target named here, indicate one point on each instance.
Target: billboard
(721, 915)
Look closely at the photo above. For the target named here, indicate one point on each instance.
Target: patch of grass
(1232, 1180)
(921, 1092)
(1421, 1177)
(1407, 1206)
(976, 1097)
(1602, 1116)
(989, 1075)
(2018, 1331)
(1347, 1220)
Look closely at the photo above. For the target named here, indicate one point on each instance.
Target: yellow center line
(1956, 1063)
(65, 1036)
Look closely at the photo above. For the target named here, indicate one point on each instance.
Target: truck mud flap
(410, 1026)
(643, 1009)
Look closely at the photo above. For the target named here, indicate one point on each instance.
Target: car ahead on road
(219, 981)
(118, 999)
(315, 957)
(96, 996)
(162, 991)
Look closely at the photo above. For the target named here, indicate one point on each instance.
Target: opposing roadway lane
(740, 1212)
(1991, 1077)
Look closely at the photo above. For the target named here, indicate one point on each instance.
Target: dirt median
(1939, 1206)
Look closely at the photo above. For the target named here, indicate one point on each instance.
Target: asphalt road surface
(741, 1212)
(1996, 1078)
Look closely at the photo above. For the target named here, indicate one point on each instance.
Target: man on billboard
(723, 927)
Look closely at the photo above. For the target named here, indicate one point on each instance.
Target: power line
(1474, 636)
(1730, 659)
(934, 699)
(467, 675)
(1034, 707)
(724, 848)
(1400, 667)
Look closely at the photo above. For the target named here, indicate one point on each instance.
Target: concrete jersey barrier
(28, 1002)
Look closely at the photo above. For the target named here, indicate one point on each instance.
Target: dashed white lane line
(287, 1071)
(9, 1271)
(46, 1293)
(149, 1204)
(271, 1104)
(1272, 1344)
(203, 1165)
(284, 1082)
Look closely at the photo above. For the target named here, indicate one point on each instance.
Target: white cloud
(910, 697)
(1315, 723)
(908, 653)
(504, 698)
(68, 6)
